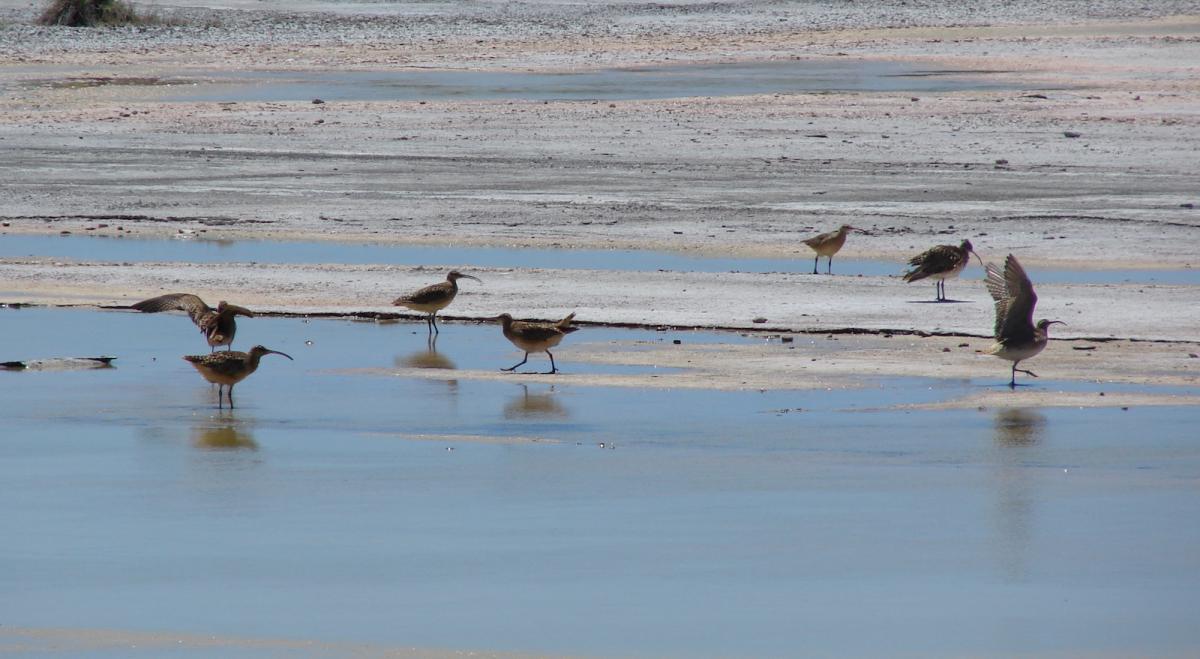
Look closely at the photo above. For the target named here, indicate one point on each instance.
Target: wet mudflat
(198, 249)
(566, 519)
(644, 82)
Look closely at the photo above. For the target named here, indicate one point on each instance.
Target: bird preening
(941, 263)
(217, 325)
(433, 298)
(230, 367)
(1017, 337)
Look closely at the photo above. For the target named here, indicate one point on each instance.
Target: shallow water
(202, 250)
(657, 523)
(650, 82)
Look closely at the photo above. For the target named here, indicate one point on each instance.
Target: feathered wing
(428, 295)
(933, 261)
(194, 306)
(1015, 299)
(564, 325)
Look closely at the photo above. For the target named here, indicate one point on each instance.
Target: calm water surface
(200, 250)
(656, 523)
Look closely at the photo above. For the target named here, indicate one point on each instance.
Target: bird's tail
(565, 323)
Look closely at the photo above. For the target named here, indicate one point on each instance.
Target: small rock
(788, 339)
(317, 101)
(1001, 161)
(760, 320)
(1187, 205)
(945, 350)
(677, 342)
(1193, 355)
(1071, 133)
(964, 345)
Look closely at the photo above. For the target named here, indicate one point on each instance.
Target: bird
(217, 325)
(230, 367)
(942, 262)
(1017, 338)
(828, 244)
(535, 337)
(434, 298)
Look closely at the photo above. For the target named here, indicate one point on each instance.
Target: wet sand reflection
(535, 405)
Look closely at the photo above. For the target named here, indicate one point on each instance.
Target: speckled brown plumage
(217, 325)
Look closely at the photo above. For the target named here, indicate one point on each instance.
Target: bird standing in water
(1017, 338)
(434, 298)
(535, 337)
(228, 368)
(828, 244)
(217, 325)
(942, 262)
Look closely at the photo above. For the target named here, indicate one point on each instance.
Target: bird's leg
(1029, 373)
(220, 400)
(829, 266)
(514, 367)
(230, 394)
(553, 368)
(433, 319)
(816, 260)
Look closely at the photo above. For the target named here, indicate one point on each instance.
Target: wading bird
(942, 262)
(828, 244)
(217, 325)
(535, 337)
(434, 298)
(1017, 338)
(228, 368)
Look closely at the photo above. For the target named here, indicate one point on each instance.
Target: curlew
(228, 368)
(535, 337)
(942, 262)
(434, 298)
(217, 325)
(828, 244)
(1017, 338)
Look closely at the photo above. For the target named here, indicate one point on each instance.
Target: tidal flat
(739, 458)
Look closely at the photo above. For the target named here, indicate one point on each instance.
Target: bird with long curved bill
(230, 367)
(434, 298)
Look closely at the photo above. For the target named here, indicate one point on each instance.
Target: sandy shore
(744, 176)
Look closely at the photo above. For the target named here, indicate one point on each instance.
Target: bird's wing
(431, 293)
(538, 331)
(1014, 296)
(193, 305)
(225, 361)
(942, 258)
(235, 310)
(821, 239)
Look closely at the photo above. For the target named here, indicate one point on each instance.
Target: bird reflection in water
(535, 405)
(1017, 431)
(1019, 427)
(427, 358)
(223, 438)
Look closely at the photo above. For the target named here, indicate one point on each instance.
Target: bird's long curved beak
(470, 277)
(1051, 322)
(979, 258)
(276, 352)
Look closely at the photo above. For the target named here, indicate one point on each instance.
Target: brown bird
(434, 298)
(228, 368)
(1017, 338)
(828, 244)
(942, 262)
(217, 325)
(535, 337)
